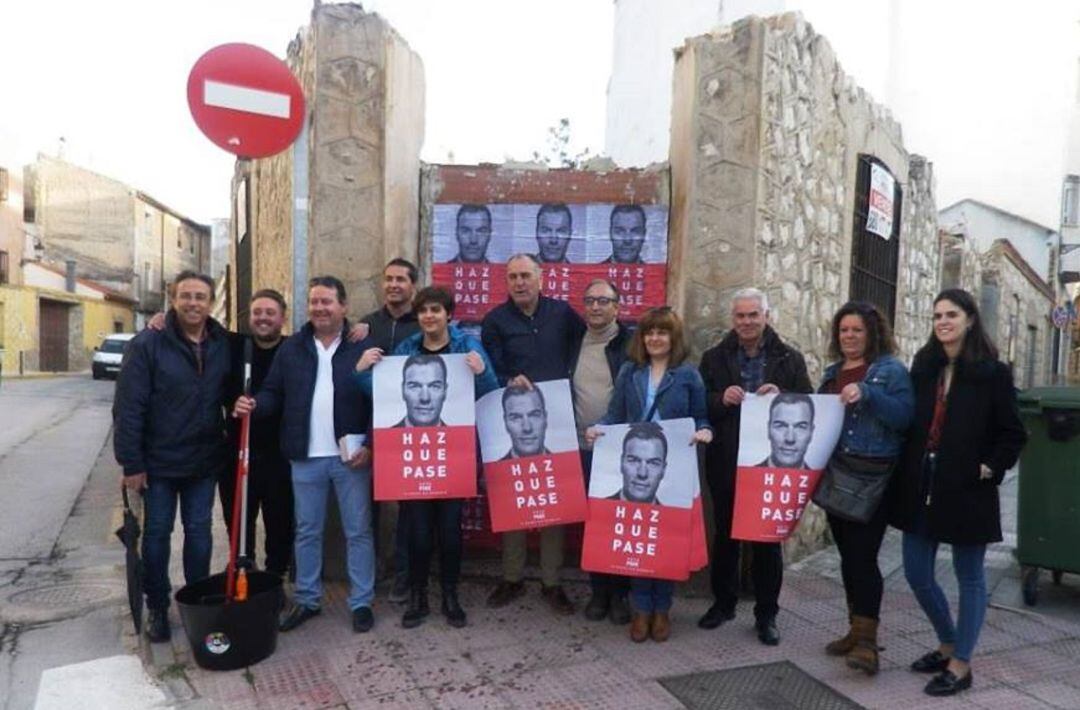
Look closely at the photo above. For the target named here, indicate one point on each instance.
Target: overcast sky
(983, 90)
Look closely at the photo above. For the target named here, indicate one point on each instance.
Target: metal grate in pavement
(769, 686)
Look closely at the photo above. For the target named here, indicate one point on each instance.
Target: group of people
(948, 431)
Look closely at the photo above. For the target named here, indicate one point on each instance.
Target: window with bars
(874, 258)
(4, 275)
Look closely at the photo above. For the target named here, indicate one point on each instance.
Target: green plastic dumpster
(1048, 525)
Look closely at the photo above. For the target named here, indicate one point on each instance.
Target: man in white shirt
(311, 383)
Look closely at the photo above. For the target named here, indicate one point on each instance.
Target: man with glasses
(597, 357)
(170, 434)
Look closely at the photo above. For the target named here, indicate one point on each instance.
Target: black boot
(157, 626)
(451, 608)
(418, 608)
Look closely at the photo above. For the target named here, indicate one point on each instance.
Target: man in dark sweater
(751, 359)
(387, 327)
(269, 484)
(170, 434)
(531, 338)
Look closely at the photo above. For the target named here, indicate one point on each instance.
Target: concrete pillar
(353, 202)
(345, 199)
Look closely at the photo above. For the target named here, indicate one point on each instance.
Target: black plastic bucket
(223, 636)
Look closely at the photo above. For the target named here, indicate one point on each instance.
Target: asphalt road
(61, 580)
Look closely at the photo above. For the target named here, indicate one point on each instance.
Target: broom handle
(238, 536)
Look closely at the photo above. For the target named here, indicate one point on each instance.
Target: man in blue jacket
(311, 383)
(531, 338)
(170, 434)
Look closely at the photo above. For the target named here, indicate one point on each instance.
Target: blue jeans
(651, 595)
(919, 557)
(196, 497)
(312, 479)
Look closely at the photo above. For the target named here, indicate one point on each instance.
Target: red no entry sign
(245, 100)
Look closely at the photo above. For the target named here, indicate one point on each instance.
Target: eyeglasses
(600, 300)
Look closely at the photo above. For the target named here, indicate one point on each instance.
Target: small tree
(556, 150)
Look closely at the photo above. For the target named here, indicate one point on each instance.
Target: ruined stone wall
(766, 136)
(1022, 328)
(364, 90)
(919, 274)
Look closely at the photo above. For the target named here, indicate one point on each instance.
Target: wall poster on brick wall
(575, 243)
(879, 203)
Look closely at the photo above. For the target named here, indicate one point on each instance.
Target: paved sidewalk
(525, 657)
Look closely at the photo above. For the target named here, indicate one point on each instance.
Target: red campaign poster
(424, 427)
(769, 502)
(642, 487)
(414, 463)
(699, 548)
(532, 466)
(477, 288)
(535, 491)
(575, 242)
(637, 539)
(785, 440)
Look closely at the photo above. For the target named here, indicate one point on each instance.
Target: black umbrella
(129, 534)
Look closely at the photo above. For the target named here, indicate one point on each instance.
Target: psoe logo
(217, 643)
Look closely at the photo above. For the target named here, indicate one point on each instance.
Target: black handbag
(852, 486)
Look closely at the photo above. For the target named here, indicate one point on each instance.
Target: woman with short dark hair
(876, 391)
(966, 434)
(426, 519)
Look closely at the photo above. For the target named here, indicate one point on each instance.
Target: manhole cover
(63, 596)
(772, 686)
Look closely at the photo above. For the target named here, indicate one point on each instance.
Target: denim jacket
(681, 393)
(877, 425)
(461, 343)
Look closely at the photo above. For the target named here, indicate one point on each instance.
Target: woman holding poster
(424, 519)
(875, 388)
(966, 434)
(655, 384)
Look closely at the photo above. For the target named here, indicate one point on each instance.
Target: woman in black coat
(965, 435)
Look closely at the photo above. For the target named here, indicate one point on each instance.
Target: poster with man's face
(785, 440)
(529, 447)
(574, 243)
(424, 416)
(641, 495)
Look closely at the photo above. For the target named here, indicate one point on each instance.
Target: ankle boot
(864, 656)
(640, 623)
(451, 608)
(843, 645)
(417, 610)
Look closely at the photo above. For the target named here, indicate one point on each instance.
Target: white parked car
(108, 355)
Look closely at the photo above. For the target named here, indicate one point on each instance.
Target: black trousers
(859, 544)
(269, 492)
(767, 563)
(425, 521)
(602, 584)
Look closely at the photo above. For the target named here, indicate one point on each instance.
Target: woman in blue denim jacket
(433, 306)
(656, 383)
(876, 389)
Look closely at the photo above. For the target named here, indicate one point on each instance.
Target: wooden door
(53, 341)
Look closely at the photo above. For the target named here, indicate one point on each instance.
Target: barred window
(875, 258)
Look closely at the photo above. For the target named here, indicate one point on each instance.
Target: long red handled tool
(235, 574)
